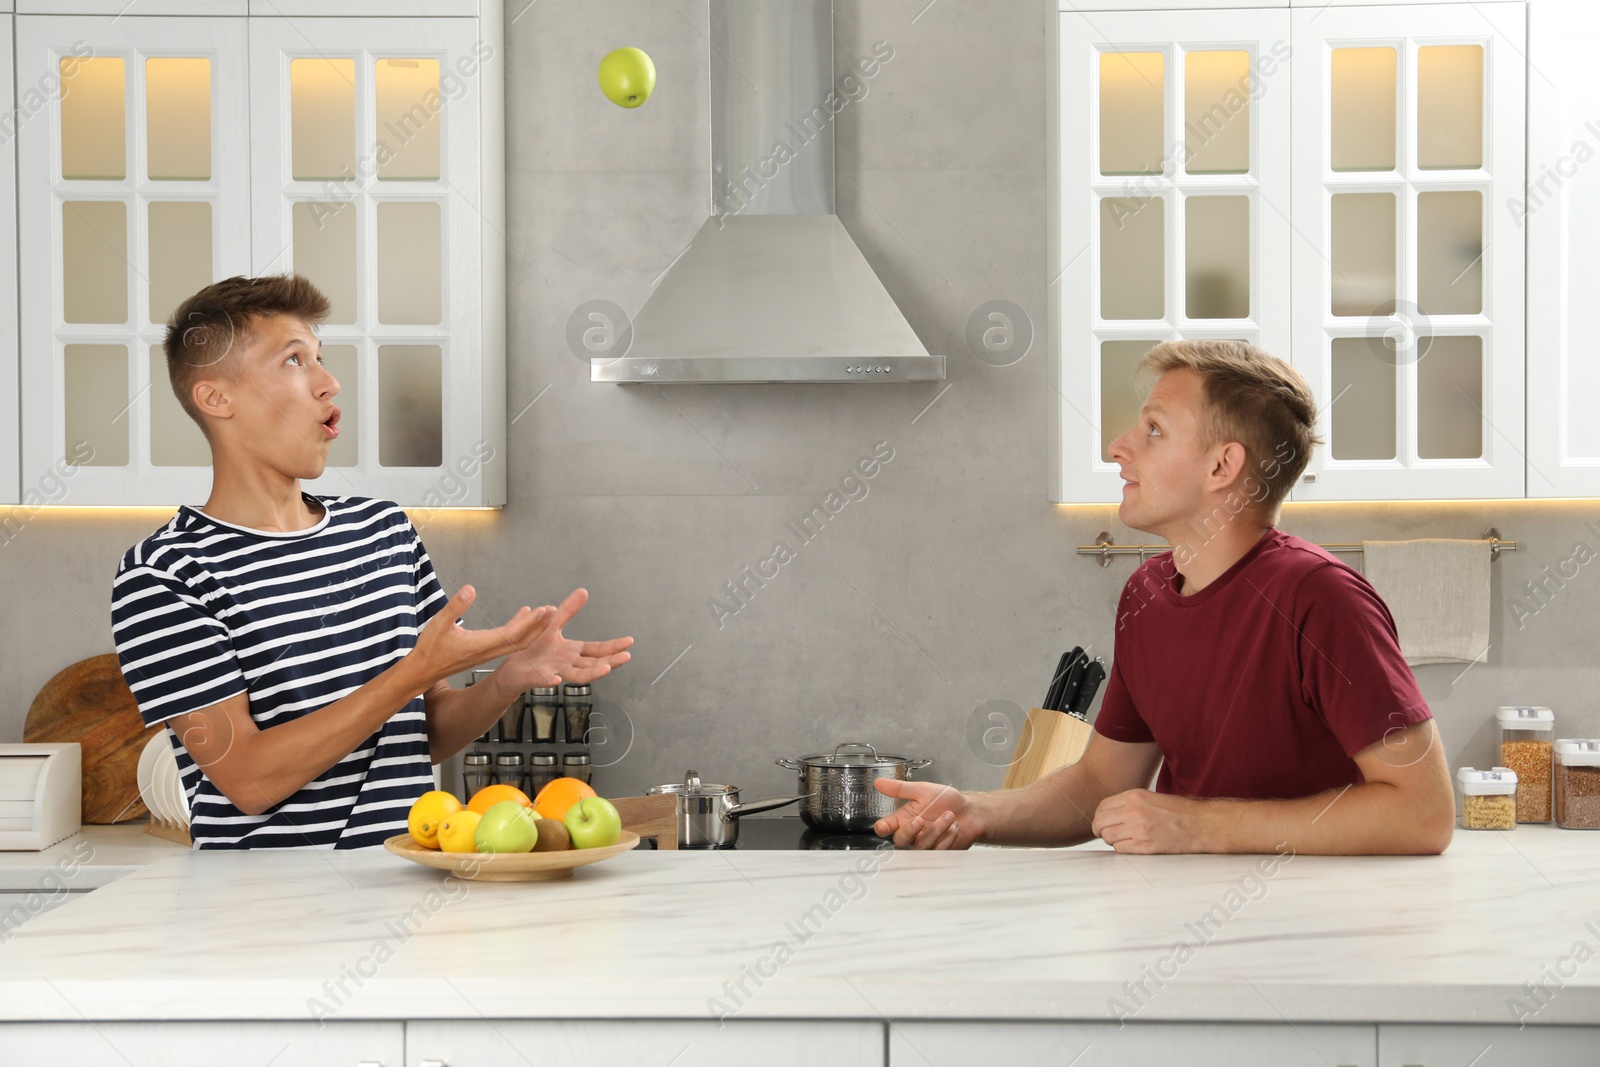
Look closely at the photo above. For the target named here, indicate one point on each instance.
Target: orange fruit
(426, 815)
(490, 795)
(554, 799)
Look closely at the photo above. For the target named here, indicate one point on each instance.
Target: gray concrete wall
(953, 582)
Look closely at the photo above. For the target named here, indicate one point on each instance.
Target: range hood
(772, 289)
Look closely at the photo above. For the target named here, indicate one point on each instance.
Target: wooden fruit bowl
(508, 866)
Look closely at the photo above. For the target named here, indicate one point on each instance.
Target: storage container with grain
(1577, 784)
(1527, 746)
(1488, 798)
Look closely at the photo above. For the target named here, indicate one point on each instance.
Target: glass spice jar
(475, 772)
(576, 704)
(1577, 784)
(576, 765)
(541, 770)
(545, 703)
(1527, 746)
(509, 770)
(1488, 798)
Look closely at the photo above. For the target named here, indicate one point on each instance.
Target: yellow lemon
(426, 815)
(457, 830)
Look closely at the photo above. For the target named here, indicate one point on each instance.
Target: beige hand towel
(1438, 593)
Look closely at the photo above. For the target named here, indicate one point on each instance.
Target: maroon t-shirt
(1263, 684)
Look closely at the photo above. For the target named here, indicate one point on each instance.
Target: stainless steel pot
(708, 814)
(838, 790)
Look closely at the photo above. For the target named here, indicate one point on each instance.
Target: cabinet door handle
(433, 1063)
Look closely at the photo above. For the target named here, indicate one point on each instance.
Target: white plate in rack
(147, 768)
(177, 799)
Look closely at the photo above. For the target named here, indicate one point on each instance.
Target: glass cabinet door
(1561, 214)
(133, 196)
(367, 181)
(1174, 208)
(1408, 270)
(11, 491)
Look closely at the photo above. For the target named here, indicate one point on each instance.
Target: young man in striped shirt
(299, 646)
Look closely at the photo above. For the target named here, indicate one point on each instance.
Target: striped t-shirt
(203, 609)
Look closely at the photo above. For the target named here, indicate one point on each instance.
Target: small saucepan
(708, 814)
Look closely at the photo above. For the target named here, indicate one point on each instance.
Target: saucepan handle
(733, 811)
(793, 765)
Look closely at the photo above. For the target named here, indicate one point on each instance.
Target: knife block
(1049, 741)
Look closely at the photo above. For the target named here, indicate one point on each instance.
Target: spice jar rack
(548, 728)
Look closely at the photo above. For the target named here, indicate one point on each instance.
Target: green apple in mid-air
(508, 826)
(592, 822)
(627, 77)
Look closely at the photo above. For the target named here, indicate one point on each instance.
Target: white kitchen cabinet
(619, 1043)
(367, 178)
(1370, 168)
(206, 1044)
(1488, 1046)
(1408, 272)
(1170, 149)
(959, 1044)
(133, 193)
(11, 491)
(367, 153)
(1560, 214)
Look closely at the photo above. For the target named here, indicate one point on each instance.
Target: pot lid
(871, 757)
(692, 786)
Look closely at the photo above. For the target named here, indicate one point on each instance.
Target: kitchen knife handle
(1069, 690)
(1056, 695)
(1092, 677)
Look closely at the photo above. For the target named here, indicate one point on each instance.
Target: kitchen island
(839, 957)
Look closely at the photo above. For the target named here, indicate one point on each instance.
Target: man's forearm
(458, 717)
(284, 759)
(1058, 809)
(1372, 818)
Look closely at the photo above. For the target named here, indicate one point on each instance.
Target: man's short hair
(1251, 397)
(210, 331)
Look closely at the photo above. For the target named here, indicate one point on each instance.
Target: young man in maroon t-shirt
(1264, 672)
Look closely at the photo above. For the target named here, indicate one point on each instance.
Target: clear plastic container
(1577, 784)
(1527, 746)
(1488, 798)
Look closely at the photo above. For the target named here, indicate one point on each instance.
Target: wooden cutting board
(90, 703)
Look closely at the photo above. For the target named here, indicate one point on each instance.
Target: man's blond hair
(1252, 397)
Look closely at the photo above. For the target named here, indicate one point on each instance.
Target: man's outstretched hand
(536, 651)
(933, 815)
(444, 648)
(550, 658)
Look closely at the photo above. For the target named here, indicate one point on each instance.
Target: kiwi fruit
(553, 837)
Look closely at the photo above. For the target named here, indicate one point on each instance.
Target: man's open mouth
(330, 425)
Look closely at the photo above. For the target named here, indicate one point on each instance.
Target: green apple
(592, 822)
(627, 77)
(509, 826)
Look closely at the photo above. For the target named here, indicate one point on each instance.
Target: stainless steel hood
(772, 289)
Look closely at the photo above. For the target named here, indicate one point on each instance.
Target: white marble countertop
(95, 856)
(991, 934)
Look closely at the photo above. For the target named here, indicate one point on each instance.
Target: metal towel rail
(1105, 548)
